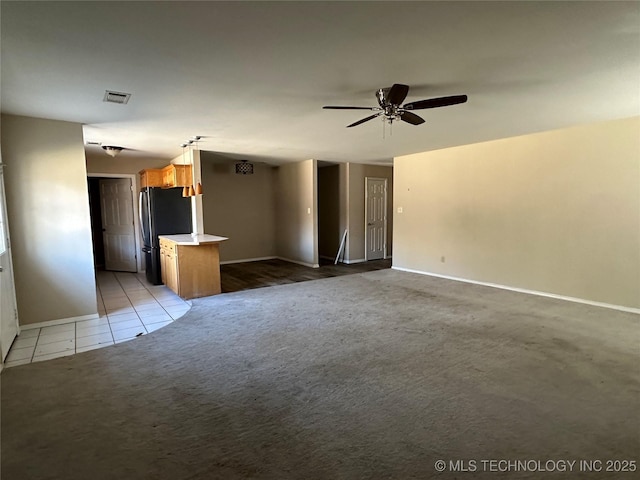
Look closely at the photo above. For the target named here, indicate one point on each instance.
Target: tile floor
(128, 307)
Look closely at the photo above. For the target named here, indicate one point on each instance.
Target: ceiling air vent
(116, 97)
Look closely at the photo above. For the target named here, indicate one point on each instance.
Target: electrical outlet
(442, 259)
(399, 209)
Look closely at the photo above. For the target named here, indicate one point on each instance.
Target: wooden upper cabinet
(176, 176)
(151, 177)
(167, 177)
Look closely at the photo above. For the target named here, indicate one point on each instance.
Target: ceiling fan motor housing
(389, 111)
(381, 94)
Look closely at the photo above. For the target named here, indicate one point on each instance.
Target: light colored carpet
(368, 376)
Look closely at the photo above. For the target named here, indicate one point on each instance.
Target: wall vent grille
(116, 97)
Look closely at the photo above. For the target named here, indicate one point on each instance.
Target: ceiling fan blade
(397, 93)
(364, 120)
(332, 107)
(411, 118)
(435, 102)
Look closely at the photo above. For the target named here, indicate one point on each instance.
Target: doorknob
(1, 269)
(369, 224)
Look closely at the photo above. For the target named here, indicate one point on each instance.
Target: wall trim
(245, 260)
(312, 265)
(524, 290)
(362, 260)
(257, 259)
(60, 321)
(357, 260)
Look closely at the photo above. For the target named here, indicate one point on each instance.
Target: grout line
(35, 346)
(113, 338)
(108, 279)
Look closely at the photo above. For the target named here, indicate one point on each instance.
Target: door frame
(10, 273)
(136, 214)
(366, 208)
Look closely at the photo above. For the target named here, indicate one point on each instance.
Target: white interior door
(8, 306)
(118, 230)
(376, 218)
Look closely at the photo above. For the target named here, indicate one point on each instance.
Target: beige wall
(122, 164)
(48, 209)
(357, 173)
(240, 207)
(555, 212)
(296, 212)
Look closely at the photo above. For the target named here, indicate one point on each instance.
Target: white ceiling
(252, 77)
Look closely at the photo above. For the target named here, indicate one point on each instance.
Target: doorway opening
(328, 213)
(113, 222)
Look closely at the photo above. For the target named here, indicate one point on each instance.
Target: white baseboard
(357, 260)
(324, 257)
(312, 265)
(245, 260)
(60, 321)
(524, 290)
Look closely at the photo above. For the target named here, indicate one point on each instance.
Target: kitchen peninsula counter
(190, 264)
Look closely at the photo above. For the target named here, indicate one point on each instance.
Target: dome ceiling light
(111, 150)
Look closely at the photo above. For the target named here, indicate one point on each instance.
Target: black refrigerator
(163, 211)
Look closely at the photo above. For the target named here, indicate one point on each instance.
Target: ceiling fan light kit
(390, 108)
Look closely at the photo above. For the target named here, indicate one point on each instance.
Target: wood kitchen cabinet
(191, 266)
(151, 177)
(176, 176)
(168, 267)
(167, 177)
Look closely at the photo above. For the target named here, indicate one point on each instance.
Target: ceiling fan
(389, 100)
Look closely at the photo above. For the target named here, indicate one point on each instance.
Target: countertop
(189, 239)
